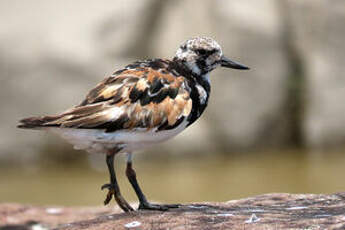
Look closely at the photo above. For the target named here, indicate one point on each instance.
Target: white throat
(194, 67)
(206, 77)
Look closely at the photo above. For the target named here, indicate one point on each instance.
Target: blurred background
(279, 127)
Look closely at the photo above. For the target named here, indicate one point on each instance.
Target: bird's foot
(117, 196)
(110, 194)
(159, 207)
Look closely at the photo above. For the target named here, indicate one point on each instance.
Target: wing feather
(144, 98)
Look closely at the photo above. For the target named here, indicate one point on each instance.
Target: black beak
(226, 62)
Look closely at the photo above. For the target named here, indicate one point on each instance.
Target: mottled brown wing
(133, 99)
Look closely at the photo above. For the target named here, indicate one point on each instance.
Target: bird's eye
(213, 51)
(201, 52)
(184, 47)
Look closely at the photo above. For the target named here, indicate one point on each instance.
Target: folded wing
(132, 99)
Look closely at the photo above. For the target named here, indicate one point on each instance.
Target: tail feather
(37, 122)
(80, 116)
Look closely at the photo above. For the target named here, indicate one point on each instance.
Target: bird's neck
(193, 71)
(200, 88)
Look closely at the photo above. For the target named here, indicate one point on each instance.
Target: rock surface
(270, 211)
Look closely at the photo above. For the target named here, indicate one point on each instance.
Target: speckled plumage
(151, 97)
(142, 104)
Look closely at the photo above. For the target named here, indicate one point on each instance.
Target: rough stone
(270, 211)
(318, 32)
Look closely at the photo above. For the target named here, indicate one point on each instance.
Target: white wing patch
(114, 113)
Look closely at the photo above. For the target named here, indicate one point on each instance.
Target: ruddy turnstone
(145, 103)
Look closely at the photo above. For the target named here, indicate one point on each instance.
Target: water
(212, 178)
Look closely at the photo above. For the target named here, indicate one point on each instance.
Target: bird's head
(202, 55)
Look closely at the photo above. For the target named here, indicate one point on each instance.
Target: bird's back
(148, 97)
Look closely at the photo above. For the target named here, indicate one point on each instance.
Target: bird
(142, 104)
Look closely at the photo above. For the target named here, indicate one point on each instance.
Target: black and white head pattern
(200, 54)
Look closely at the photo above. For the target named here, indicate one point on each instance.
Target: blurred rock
(50, 57)
(52, 53)
(242, 112)
(319, 35)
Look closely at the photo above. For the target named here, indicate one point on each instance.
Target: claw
(110, 193)
(108, 186)
(118, 198)
(173, 205)
(159, 207)
(108, 198)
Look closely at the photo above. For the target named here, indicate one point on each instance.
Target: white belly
(98, 141)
